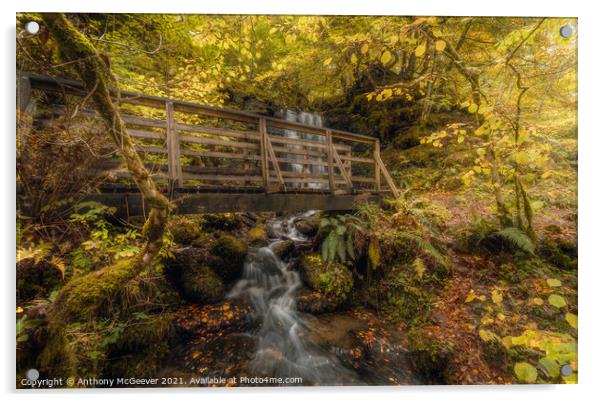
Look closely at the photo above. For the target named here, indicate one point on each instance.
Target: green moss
(406, 296)
(227, 221)
(143, 333)
(257, 235)
(58, 359)
(329, 278)
(87, 296)
(562, 254)
(431, 358)
(200, 284)
(229, 254)
(184, 229)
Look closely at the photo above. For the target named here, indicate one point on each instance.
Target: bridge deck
(216, 160)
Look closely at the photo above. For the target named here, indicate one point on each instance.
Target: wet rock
(226, 221)
(184, 229)
(431, 358)
(257, 236)
(228, 257)
(308, 226)
(314, 302)
(284, 249)
(331, 278)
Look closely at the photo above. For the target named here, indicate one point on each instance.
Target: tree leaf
(550, 367)
(328, 61)
(525, 372)
(557, 301)
(496, 296)
(553, 283)
(440, 45)
(473, 108)
(571, 319)
(386, 57)
(420, 50)
(364, 48)
(419, 267)
(353, 58)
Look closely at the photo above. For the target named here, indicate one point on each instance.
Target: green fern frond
(518, 238)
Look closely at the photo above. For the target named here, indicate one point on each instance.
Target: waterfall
(309, 119)
(270, 284)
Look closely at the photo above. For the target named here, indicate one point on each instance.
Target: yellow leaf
(496, 296)
(571, 319)
(522, 158)
(501, 317)
(470, 297)
(556, 301)
(553, 283)
(420, 50)
(386, 57)
(327, 61)
(473, 108)
(364, 48)
(273, 30)
(440, 45)
(537, 301)
(19, 310)
(460, 139)
(353, 58)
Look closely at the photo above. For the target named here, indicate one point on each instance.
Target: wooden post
(330, 153)
(263, 132)
(174, 166)
(376, 165)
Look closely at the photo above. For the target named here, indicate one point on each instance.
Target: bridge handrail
(29, 81)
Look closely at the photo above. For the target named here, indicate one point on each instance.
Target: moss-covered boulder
(184, 229)
(332, 278)
(308, 226)
(284, 249)
(314, 302)
(226, 221)
(36, 279)
(431, 358)
(200, 284)
(228, 256)
(257, 236)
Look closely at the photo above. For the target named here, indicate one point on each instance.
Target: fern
(518, 238)
(338, 233)
(423, 246)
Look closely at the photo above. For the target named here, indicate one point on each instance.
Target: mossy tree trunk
(96, 75)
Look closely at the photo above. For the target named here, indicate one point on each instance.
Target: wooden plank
(154, 150)
(173, 147)
(221, 177)
(295, 141)
(330, 151)
(224, 143)
(388, 178)
(342, 169)
(225, 132)
(376, 167)
(263, 132)
(146, 134)
(296, 151)
(313, 162)
(224, 155)
(220, 170)
(274, 160)
(357, 159)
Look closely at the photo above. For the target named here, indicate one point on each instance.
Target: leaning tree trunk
(88, 296)
(74, 47)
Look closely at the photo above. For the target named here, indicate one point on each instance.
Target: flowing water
(270, 284)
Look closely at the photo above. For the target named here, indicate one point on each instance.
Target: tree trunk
(97, 77)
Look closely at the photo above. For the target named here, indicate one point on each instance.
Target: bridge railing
(192, 146)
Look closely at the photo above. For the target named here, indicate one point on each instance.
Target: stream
(275, 340)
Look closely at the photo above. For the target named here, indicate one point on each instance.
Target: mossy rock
(88, 295)
(431, 358)
(184, 229)
(229, 254)
(332, 278)
(226, 221)
(200, 284)
(257, 236)
(308, 226)
(145, 364)
(314, 302)
(284, 249)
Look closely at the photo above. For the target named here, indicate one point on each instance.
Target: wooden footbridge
(210, 159)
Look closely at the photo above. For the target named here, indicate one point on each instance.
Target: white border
(590, 196)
